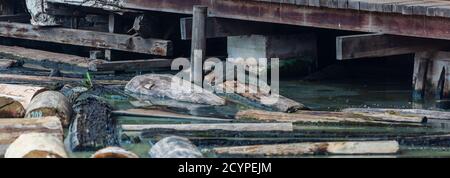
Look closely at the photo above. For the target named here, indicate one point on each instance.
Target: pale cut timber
(429, 114)
(380, 45)
(50, 103)
(11, 129)
(45, 58)
(37, 145)
(328, 117)
(114, 152)
(87, 38)
(5, 78)
(204, 127)
(163, 114)
(129, 65)
(22, 94)
(338, 148)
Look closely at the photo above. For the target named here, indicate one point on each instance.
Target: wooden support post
(111, 29)
(7, 7)
(421, 61)
(431, 75)
(198, 44)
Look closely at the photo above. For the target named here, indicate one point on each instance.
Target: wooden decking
(418, 18)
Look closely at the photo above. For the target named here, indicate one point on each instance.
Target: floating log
(92, 126)
(11, 129)
(172, 87)
(429, 114)
(163, 114)
(6, 78)
(50, 103)
(203, 127)
(174, 147)
(328, 117)
(131, 65)
(15, 98)
(260, 95)
(114, 152)
(37, 145)
(341, 148)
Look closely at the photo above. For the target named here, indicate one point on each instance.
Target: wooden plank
(370, 147)
(45, 58)
(364, 21)
(163, 114)
(87, 38)
(11, 78)
(203, 127)
(220, 27)
(380, 45)
(421, 62)
(198, 43)
(130, 65)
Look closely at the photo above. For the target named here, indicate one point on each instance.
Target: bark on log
(11, 129)
(37, 145)
(50, 103)
(15, 98)
(174, 147)
(429, 114)
(114, 152)
(92, 125)
(204, 127)
(341, 148)
(257, 95)
(328, 117)
(172, 87)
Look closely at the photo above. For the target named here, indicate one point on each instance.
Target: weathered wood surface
(203, 127)
(129, 65)
(172, 87)
(114, 152)
(354, 15)
(175, 147)
(12, 78)
(37, 145)
(342, 148)
(429, 114)
(92, 125)
(87, 38)
(7, 63)
(380, 45)
(163, 114)
(11, 129)
(15, 18)
(50, 103)
(329, 117)
(14, 99)
(261, 95)
(45, 58)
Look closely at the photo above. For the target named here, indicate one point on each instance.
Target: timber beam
(86, 38)
(381, 45)
(309, 16)
(222, 28)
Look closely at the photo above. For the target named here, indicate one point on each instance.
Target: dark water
(330, 96)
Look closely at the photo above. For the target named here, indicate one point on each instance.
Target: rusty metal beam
(87, 38)
(282, 13)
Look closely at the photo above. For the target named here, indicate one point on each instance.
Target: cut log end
(114, 152)
(37, 145)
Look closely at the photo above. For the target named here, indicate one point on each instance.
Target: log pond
(431, 140)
